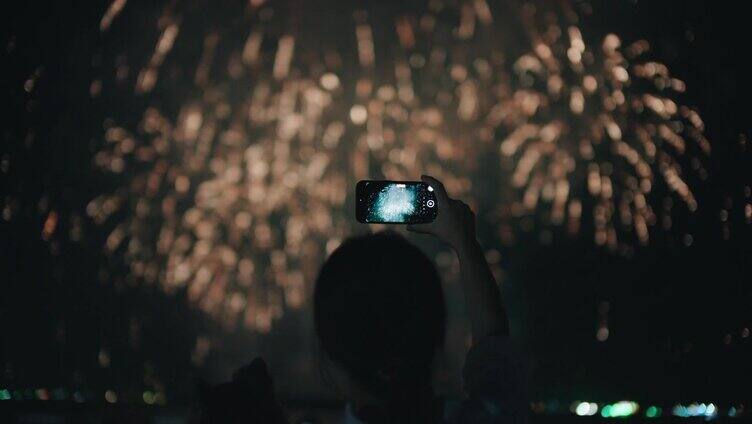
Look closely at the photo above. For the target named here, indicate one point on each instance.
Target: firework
(597, 121)
(237, 176)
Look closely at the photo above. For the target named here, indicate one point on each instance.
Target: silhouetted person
(248, 399)
(380, 317)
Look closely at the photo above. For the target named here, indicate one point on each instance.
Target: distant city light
(602, 334)
(708, 411)
(606, 411)
(679, 411)
(626, 408)
(148, 397)
(620, 409)
(653, 411)
(586, 409)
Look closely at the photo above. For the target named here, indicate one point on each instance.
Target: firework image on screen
(395, 202)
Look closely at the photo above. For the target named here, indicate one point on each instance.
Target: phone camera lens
(430, 203)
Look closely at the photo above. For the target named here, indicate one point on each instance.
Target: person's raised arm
(455, 224)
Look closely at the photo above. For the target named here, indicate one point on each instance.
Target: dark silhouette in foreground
(380, 318)
(379, 315)
(248, 399)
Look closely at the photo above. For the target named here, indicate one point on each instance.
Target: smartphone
(394, 202)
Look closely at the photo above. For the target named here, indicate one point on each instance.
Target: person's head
(380, 316)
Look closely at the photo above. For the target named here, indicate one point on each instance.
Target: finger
(466, 207)
(438, 188)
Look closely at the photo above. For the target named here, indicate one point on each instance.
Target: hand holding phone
(395, 202)
(455, 221)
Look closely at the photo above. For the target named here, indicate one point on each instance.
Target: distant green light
(732, 412)
(653, 411)
(606, 411)
(148, 397)
(4, 394)
(623, 409)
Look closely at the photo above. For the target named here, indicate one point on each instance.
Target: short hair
(378, 304)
